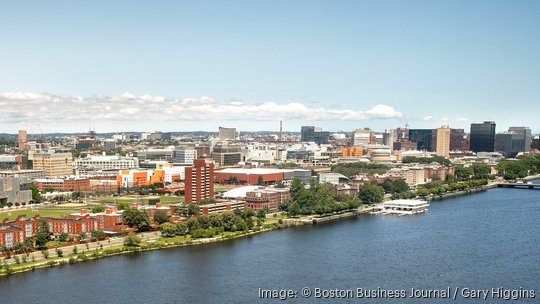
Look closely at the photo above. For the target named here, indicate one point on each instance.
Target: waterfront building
(54, 164)
(443, 141)
(266, 198)
(199, 181)
(403, 206)
(221, 207)
(482, 137)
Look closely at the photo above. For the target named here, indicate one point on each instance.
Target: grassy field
(130, 199)
(54, 213)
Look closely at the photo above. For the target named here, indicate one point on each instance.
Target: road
(68, 250)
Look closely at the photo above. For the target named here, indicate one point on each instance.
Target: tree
(187, 210)
(41, 240)
(480, 170)
(260, 180)
(98, 209)
(132, 240)
(261, 214)
(137, 219)
(181, 228)
(122, 206)
(370, 194)
(98, 234)
(59, 252)
(36, 196)
(63, 237)
(463, 173)
(161, 217)
(168, 230)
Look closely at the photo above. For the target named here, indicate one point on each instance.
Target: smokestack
(280, 129)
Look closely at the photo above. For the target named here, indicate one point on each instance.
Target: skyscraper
(424, 138)
(199, 181)
(482, 137)
(443, 141)
(457, 140)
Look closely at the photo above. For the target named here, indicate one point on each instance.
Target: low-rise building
(266, 198)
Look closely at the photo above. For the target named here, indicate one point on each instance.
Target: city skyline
(340, 65)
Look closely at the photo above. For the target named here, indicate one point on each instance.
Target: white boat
(404, 207)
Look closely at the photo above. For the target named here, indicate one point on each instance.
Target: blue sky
(426, 62)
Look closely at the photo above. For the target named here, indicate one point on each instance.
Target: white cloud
(427, 118)
(21, 107)
(461, 119)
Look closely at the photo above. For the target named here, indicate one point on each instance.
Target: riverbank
(159, 242)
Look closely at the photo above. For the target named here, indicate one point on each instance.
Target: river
(482, 241)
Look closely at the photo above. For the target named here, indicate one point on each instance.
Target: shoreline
(109, 251)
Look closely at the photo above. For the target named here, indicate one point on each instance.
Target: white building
(106, 162)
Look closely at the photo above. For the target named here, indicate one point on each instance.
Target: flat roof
(257, 170)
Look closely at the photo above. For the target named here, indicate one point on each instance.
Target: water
(482, 241)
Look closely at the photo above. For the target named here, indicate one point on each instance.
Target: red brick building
(199, 181)
(269, 199)
(69, 184)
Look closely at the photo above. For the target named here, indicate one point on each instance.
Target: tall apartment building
(227, 133)
(443, 141)
(482, 137)
(54, 164)
(199, 181)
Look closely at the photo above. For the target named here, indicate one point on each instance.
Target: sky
(68, 66)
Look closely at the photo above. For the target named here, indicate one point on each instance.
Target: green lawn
(54, 213)
(131, 199)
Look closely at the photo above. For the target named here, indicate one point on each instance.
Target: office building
(424, 138)
(314, 134)
(457, 140)
(184, 155)
(227, 155)
(54, 164)
(199, 181)
(443, 141)
(513, 141)
(482, 137)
